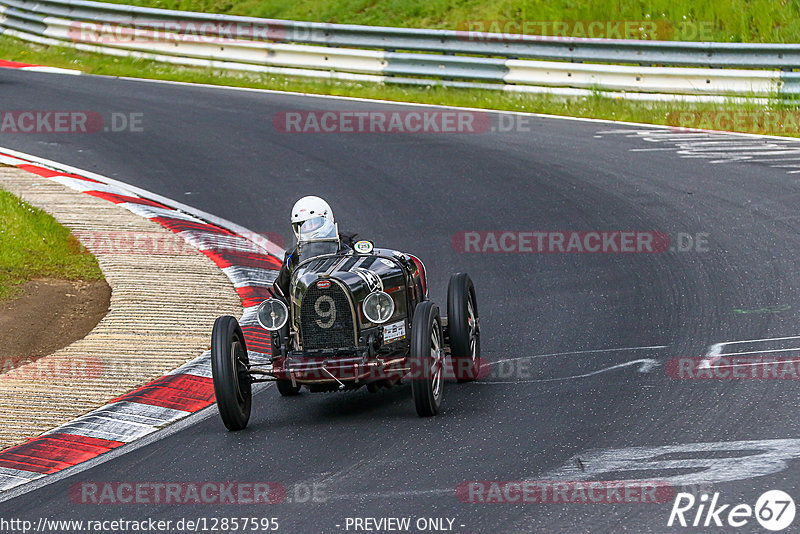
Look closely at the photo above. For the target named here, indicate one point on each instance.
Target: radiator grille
(326, 321)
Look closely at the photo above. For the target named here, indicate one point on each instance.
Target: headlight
(378, 307)
(272, 314)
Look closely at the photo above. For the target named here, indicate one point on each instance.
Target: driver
(316, 233)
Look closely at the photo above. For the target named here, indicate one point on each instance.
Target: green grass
(594, 106)
(727, 21)
(33, 245)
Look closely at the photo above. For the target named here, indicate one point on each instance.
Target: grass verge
(34, 245)
(758, 21)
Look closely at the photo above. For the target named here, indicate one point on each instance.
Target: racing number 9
(329, 314)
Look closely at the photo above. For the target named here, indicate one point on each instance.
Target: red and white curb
(6, 64)
(251, 263)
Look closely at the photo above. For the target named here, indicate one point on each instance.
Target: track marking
(593, 351)
(720, 147)
(761, 458)
(752, 364)
(771, 160)
(784, 338)
(766, 457)
(715, 351)
(646, 365)
(711, 356)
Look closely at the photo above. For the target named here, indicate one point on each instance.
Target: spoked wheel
(427, 359)
(463, 327)
(229, 369)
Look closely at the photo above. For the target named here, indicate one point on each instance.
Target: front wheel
(229, 370)
(427, 359)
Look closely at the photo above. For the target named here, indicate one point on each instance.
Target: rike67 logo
(774, 510)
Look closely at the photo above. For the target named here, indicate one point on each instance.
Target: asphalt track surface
(217, 150)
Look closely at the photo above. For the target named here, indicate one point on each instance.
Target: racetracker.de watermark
(198, 492)
(54, 368)
(69, 122)
(778, 122)
(566, 492)
(174, 32)
(574, 241)
(734, 368)
(423, 121)
(646, 29)
(155, 493)
(166, 244)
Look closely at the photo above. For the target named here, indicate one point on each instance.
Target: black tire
(286, 389)
(463, 327)
(229, 361)
(427, 370)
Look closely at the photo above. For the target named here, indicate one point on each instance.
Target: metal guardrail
(567, 66)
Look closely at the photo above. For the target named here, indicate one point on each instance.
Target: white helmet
(312, 219)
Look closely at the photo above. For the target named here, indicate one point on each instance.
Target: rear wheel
(427, 359)
(229, 369)
(286, 389)
(463, 327)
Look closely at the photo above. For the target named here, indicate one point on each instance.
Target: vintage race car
(359, 318)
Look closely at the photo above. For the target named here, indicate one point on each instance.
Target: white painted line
(135, 412)
(659, 136)
(250, 276)
(757, 352)
(759, 340)
(775, 159)
(645, 366)
(151, 212)
(249, 317)
(594, 351)
(777, 152)
(720, 147)
(82, 186)
(200, 366)
(752, 364)
(51, 70)
(11, 478)
(756, 149)
(683, 464)
(715, 351)
(8, 160)
(215, 241)
(711, 356)
(106, 428)
(732, 142)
